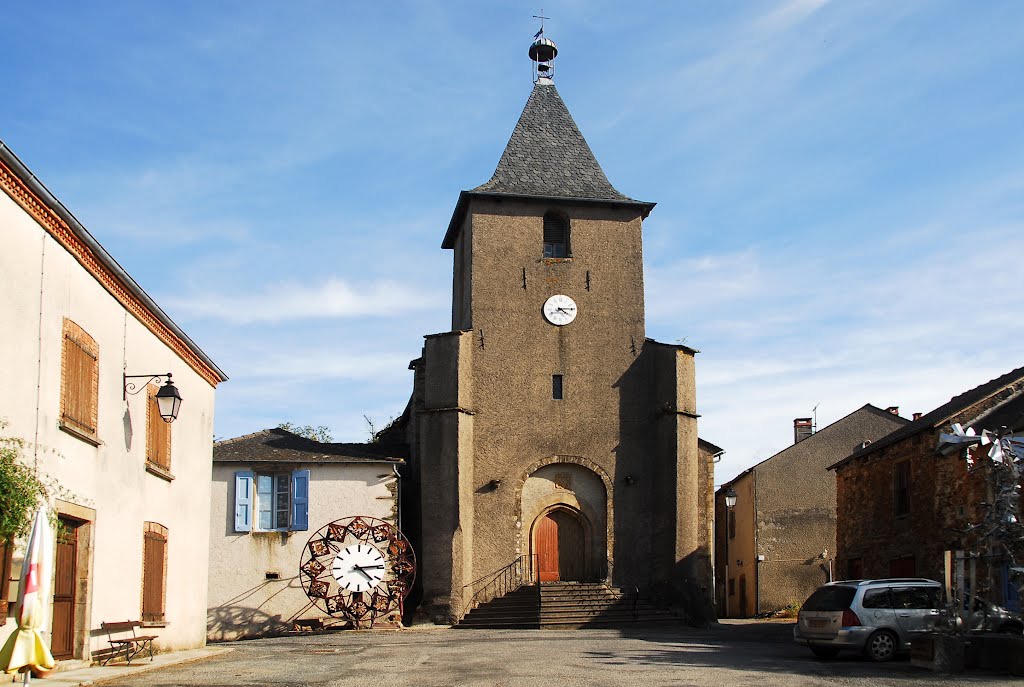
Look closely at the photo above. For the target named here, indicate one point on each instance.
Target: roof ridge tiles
(235, 440)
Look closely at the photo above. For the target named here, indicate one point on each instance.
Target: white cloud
(919, 313)
(787, 14)
(327, 362)
(333, 298)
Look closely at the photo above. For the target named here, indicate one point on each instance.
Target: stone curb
(94, 675)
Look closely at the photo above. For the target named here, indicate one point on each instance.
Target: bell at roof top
(543, 52)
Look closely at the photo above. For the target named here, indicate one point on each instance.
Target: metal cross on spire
(542, 18)
(542, 53)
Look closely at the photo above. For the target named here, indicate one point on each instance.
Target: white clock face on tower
(559, 310)
(358, 568)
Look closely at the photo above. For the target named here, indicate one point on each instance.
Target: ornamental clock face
(359, 567)
(559, 310)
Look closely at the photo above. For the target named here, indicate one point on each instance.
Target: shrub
(21, 489)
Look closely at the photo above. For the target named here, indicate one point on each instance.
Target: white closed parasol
(26, 649)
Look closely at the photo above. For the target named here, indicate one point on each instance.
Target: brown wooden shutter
(79, 380)
(901, 488)
(154, 572)
(158, 432)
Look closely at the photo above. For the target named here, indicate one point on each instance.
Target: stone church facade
(554, 432)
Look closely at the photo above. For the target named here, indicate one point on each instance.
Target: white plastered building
(271, 490)
(134, 491)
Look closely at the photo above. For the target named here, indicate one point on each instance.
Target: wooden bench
(123, 639)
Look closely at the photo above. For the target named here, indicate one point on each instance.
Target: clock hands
(364, 568)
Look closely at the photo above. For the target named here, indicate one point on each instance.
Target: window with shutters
(158, 436)
(154, 573)
(79, 383)
(271, 501)
(901, 488)
(556, 235)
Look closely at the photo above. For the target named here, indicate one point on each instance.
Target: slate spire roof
(548, 156)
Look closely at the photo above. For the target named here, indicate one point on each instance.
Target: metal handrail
(636, 599)
(503, 581)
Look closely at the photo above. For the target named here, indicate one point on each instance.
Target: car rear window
(836, 598)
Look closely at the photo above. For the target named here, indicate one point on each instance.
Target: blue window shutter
(243, 501)
(300, 500)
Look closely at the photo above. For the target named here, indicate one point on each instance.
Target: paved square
(723, 656)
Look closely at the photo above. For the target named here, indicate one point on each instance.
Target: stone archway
(564, 516)
(561, 543)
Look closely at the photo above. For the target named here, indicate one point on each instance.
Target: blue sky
(839, 184)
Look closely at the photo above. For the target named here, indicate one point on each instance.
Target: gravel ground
(734, 653)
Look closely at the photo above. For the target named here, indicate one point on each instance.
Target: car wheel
(825, 651)
(881, 646)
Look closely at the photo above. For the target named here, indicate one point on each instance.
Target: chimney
(917, 416)
(803, 427)
(895, 410)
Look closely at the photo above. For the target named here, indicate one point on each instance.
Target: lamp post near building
(730, 503)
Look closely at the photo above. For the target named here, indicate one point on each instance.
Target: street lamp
(730, 503)
(168, 400)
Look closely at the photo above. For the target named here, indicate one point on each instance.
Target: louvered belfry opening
(556, 235)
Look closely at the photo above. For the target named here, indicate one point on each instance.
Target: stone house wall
(944, 496)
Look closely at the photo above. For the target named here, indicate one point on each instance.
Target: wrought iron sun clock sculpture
(360, 569)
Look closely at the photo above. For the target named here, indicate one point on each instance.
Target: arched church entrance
(559, 540)
(564, 515)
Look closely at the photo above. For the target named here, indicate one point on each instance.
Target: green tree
(321, 433)
(21, 489)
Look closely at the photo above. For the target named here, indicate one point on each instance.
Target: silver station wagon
(876, 617)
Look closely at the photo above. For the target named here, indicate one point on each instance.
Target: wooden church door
(558, 542)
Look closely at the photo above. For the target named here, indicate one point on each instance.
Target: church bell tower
(549, 435)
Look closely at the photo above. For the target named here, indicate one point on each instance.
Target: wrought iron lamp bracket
(135, 387)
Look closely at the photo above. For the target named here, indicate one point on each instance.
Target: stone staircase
(519, 609)
(565, 605)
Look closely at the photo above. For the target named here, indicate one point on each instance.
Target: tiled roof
(709, 447)
(548, 156)
(281, 446)
(943, 413)
(838, 438)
